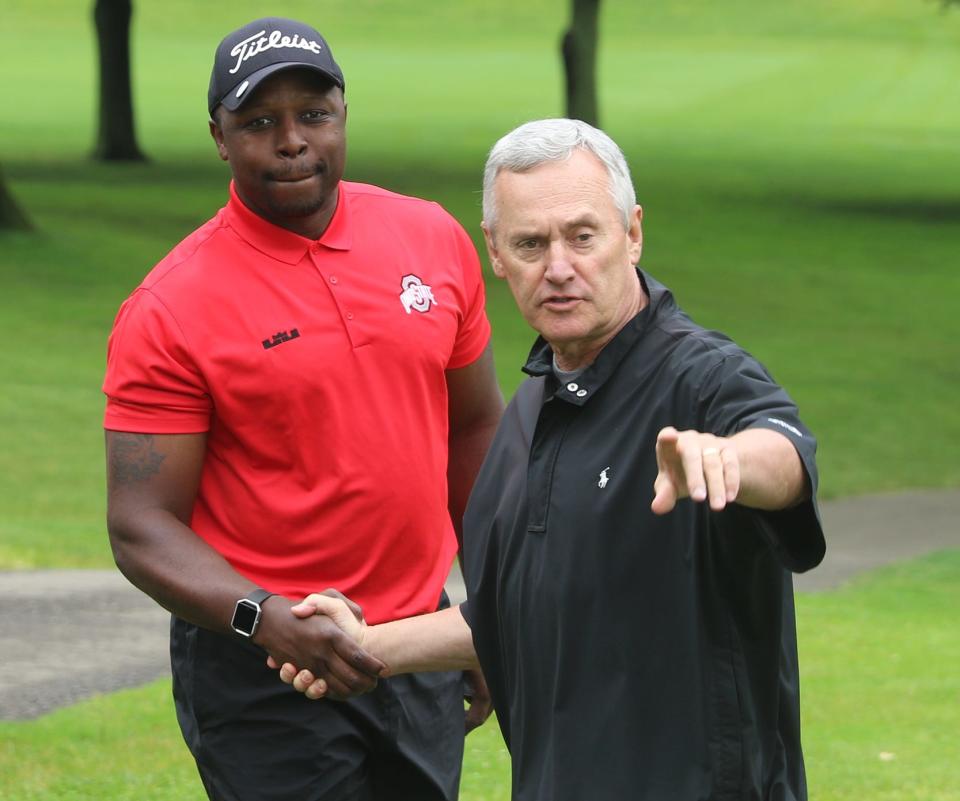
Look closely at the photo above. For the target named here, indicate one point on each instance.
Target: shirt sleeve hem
(462, 358)
(795, 535)
(158, 425)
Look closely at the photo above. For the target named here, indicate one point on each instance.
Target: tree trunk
(579, 50)
(11, 216)
(116, 139)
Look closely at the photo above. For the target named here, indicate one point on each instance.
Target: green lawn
(880, 711)
(880, 685)
(797, 162)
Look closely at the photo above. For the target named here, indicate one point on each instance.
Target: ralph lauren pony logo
(279, 338)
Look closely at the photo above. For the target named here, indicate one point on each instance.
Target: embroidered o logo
(416, 295)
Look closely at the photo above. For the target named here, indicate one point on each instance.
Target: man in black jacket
(634, 648)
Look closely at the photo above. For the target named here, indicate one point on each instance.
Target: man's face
(560, 243)
(286, 147)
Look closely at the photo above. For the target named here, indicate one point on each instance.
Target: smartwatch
(247, 613)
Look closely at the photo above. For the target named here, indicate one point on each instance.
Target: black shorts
(256, 739)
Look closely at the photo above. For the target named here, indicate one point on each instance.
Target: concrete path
(110, 636)
(870, 531)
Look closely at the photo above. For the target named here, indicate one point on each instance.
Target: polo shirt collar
(284, 245)
(578, 392)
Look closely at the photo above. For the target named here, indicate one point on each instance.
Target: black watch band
(247, 613)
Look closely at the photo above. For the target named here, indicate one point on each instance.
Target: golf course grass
(879, 688)
(798, 165)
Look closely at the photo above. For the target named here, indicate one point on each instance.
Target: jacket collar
(578, 392)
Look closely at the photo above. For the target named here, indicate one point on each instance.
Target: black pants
(256, 739)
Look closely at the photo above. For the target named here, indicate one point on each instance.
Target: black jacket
(632, 656)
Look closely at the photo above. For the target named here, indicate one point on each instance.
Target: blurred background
(799, 167)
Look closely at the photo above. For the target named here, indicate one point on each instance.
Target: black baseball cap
(261, 48)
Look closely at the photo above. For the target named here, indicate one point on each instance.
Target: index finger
(667, 440)
(354, 607)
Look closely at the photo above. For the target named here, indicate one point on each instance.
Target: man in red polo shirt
(300, 394)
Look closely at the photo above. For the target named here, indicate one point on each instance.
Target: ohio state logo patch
(416, 295)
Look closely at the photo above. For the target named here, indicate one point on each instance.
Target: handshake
(347, 674)
(325, 649)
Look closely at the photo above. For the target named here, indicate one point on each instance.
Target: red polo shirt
(317, 370)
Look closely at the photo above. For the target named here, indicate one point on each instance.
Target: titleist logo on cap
(253, 53)
(257, 43)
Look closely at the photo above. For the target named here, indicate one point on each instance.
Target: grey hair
(534, 143)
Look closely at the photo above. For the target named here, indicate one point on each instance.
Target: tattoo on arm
(134, 458)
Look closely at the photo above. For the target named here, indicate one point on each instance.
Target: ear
(492, 251)
(217, 133)
(635, 235)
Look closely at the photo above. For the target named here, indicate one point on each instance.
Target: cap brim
(239, 94)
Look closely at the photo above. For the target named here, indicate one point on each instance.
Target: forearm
(165, 559)
(195, 583)
(771, 472)
(436, 641)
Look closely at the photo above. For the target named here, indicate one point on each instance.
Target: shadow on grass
(203, 179)
(182, 171)
(209, 172)
(185, 191)
(930, 210)
(916, 209)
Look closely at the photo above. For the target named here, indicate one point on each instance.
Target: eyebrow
(313, 96)
(266, 105)
(588, 219)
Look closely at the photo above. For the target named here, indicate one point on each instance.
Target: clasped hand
(695, 465)
(348, 617)
(342, 612)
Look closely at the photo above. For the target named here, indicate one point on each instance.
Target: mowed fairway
(799, 167)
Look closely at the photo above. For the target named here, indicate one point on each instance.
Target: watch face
(245, 617)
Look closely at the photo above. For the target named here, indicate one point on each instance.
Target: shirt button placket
(334, 281)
